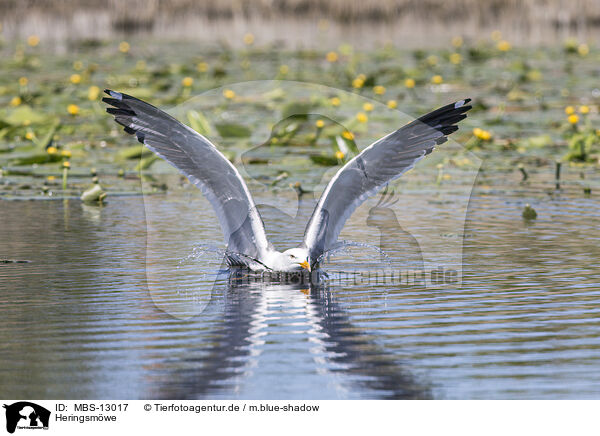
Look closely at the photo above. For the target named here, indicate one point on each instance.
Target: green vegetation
(532, 107)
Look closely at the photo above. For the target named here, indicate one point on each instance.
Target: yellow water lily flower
(248, 39)
(187, 82)
(93, 92)
(320, 124)
(362, 117)
(124, 47)
(583, 49)
(358, 83)
(75, 79)
(504, 45)
(409, 83)
(569, 110)
(73, 109)
(331, 57)
(348, 135)
(368, 107)
(584, 109)
(486, 135)
(15, 101)
(379, 90)
(229, 94)
(437, 79)
(432, 60)
(339, 155)
(455, 58)
(33, 40)
(23, 81)
(51, 150)
(392, 104)
(573, 119)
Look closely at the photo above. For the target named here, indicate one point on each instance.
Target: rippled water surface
(83, 319)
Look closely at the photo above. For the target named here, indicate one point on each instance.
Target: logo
(26, 415)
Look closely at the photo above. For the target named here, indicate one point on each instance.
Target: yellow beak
(305, 265)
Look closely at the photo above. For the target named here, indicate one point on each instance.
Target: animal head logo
(286, 138)
(26, 415)
(382, 212)
(392, 237)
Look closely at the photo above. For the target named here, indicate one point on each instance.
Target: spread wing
(200, 161)
(376, 166)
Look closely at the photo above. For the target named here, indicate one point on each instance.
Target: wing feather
(376, 166)
(200, 161)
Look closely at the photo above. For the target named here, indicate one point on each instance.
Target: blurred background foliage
(530, 66)
(306, 23)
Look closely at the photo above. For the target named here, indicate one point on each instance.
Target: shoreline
(315, 24)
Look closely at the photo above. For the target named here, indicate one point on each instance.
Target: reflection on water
(282, 341)
(78, 321)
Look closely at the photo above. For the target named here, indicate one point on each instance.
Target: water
(79, 321)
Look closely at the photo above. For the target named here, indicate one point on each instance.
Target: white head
(294, 259)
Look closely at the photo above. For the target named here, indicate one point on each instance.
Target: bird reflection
(255, 316)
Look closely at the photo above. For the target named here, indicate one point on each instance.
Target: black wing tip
(117, 106)
(461, 103)
(121, 111)
(444, 117)
(115, 103)
(114, 94)
(119, 96)
(460, 106)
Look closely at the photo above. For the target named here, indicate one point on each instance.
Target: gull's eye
(292, 256)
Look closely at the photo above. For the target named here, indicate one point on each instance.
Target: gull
(206, 167)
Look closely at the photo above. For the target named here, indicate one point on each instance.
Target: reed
(531, 20)
(575, 13)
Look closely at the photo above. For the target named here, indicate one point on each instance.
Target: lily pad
(299, 109)
(134, 152)
(539, 141)
(37, 158)
(324, 160)
(24, 114)
(233, 130)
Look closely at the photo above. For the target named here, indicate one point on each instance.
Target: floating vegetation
(529, 213)
(95, 194)
(532, 107)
